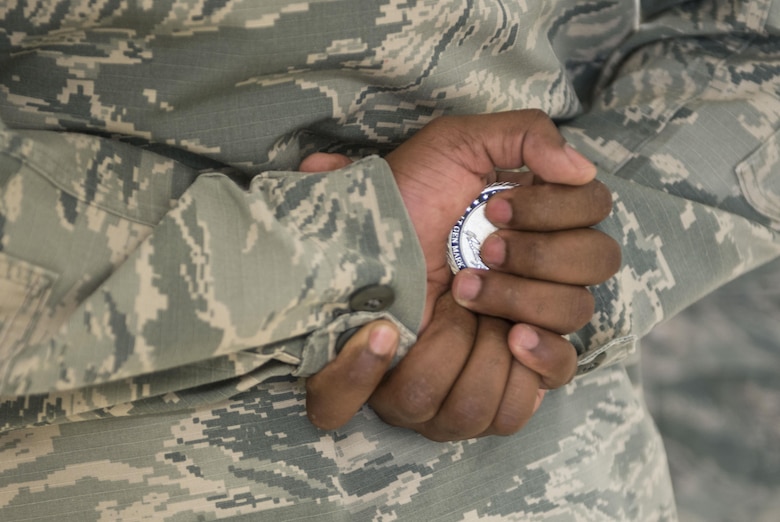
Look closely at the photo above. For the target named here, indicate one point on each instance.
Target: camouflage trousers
(146, 134)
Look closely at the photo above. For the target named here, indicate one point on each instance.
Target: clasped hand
(490, 345)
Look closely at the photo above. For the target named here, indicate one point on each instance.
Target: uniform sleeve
(128, 277)
(687, 136)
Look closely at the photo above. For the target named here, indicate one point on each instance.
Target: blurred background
(712, 382)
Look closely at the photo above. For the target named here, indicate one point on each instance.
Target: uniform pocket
(759, 178)
(23, 291)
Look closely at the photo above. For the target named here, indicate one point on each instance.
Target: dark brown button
(374, 298)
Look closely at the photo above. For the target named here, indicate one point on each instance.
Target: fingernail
(382, 340)
(468, 286)
(494, 250)
(524, 337)
(579, 161)
(498, 211)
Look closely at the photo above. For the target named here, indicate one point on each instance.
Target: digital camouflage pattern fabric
(167, 276)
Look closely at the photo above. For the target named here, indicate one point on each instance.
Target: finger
(324, 162)
(576, 257)
(544, 207)
(339, 390)
(415, 390)
(553, 306)
(547, 354)
(521, 399)
(473, 401)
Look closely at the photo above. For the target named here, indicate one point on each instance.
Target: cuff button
(374, 298)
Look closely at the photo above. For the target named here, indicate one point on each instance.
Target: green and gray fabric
(168, 278)
(711, 382)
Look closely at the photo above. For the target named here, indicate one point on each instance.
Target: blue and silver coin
(471, 230)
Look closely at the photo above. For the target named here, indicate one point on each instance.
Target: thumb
(530, 138)
(339, 390)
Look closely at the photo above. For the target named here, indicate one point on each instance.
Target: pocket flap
(759, 178)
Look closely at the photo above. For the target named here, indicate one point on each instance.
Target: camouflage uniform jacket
(164, 270)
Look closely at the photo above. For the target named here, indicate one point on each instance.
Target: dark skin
(505, 323)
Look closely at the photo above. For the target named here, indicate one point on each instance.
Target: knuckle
(564, 371)
(580, 310)
(536, 115)
(361, 381)
(538, 128)
(506, 424)
(323, 422)
(547, 206)
(459, 322)
(535, 254)
(466, 419)
(417, 403)
(586, 305)
(313, 418)
(602, 258)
